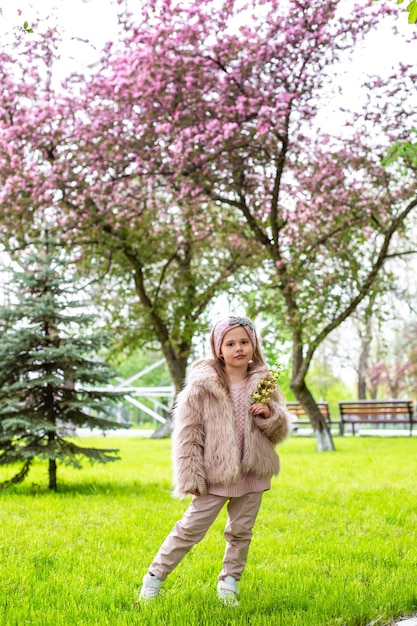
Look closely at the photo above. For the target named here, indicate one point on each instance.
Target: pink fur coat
(205, 442)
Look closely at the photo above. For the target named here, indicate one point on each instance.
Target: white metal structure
(153, 393)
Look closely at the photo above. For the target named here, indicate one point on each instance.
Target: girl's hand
(260, 410)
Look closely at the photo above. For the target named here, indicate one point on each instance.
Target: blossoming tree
(225, 100)
(199, 128)
(66, 157)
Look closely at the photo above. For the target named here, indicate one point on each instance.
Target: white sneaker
(151, 586)
(227, 591)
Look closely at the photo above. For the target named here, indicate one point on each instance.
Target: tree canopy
(192, 156)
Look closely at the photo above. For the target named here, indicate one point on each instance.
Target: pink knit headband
(228, 323)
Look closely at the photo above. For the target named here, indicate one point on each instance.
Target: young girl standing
(223, 452)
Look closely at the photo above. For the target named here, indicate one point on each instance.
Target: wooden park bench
(376, 412)
(302, 418)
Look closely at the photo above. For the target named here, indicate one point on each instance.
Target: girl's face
(236, 348)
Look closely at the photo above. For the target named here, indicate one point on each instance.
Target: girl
(223, 452)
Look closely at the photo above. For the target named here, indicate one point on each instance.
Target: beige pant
(195, 523)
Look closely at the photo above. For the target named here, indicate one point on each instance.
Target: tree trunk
(52, 474)
(49, 405)
(366, 339)
(321, 429)
(177, 368)
(164, 430)
(363, 367)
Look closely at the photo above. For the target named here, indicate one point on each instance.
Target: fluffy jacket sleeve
(188, 443)
(278, 426)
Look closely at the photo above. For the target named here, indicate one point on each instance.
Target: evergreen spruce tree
(50, 372)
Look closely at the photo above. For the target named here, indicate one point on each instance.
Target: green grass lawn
(335, 542)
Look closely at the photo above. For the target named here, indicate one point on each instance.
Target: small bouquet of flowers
(267, 386)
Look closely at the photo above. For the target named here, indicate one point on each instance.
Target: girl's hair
(257, 359)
